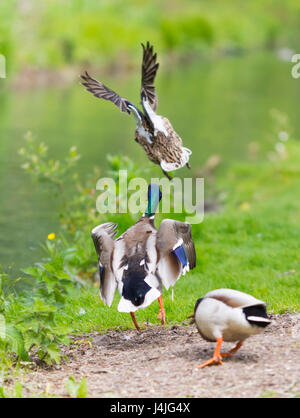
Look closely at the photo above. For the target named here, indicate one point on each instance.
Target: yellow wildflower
(245, 206)
(51, 236)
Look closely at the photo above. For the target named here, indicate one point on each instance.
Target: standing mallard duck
(228, 315)
(143, 259)
(154, 133)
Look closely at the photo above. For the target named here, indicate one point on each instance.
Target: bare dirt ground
(161, 362)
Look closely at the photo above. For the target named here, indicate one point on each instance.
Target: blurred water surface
(217, 106)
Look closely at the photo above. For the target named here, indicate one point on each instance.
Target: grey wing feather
(184, 230)
(149, 70)
(103, 238)
(170, 232)
(98, 89)
(234, 298)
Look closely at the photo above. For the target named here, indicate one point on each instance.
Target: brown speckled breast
(163, 148)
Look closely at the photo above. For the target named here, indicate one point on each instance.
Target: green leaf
(77, 390)
(2, 393)
(16, 340)
(53, 352)
(64, 339)
(2, 327)
(83, 390)
(59, 297)
(40, 306)
(31, 271)
(18, 390)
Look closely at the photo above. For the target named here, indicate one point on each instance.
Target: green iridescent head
(154, 197)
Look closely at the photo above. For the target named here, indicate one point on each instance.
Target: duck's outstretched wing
(149, 69)
(104, 244)
(177, 251)
(100, 90)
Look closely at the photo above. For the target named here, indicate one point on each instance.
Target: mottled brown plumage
(143, 259)
(167, 148)
(154, 133)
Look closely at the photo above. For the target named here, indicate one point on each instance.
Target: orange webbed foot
(210, 362)
(216, 358)
(233, 350)
(162, 316)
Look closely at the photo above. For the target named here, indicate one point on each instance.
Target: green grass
(251, 245)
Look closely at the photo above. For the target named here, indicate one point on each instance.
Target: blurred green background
(224, 65)
(55, 33)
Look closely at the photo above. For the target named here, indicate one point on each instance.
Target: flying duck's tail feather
(184, 160)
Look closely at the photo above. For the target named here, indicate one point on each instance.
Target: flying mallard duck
(228, 315)
(154, 133)
(143, 259)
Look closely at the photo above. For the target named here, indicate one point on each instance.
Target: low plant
(77, 389)
(16, 393)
